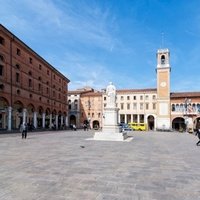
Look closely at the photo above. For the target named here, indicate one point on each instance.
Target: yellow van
(138, 126)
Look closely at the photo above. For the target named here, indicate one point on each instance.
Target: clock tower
(163, 90)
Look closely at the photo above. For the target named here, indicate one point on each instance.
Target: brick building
(31, 89)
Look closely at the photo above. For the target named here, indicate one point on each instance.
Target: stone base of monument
(110, 136)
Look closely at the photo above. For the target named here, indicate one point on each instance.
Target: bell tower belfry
(163, 90)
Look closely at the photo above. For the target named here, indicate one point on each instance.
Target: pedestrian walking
(198, 135)
(23, 130)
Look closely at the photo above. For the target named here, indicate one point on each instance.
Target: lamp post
(187, 103)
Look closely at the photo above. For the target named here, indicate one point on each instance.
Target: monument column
(110, 130)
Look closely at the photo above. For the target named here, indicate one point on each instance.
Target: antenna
(162, 39)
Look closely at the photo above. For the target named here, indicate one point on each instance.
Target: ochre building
(31, 90)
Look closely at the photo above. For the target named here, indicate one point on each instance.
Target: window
(17, 66)
(173, 107)
(2, 41)
(47, 82)
(162, 59)
(18, 52)
(128, 106)
(147, 106)
(39, 78)
(30, 73)
(1, 70)
(134, 97)
(146, 97)
(122, 98)
(47, 90)
(154, 106)
(134, 106)
(30, 60)
(17, 78)
(128, 97)
(1, 58)
(47, 72)
(141, 97)
(30, 96)
(18, 92)
(54, 76)
(39, 87)
(154, 97)
(122, 106)
(30, 83)
(141, 106)
(104, 98)
(40, 67)
(1, 87)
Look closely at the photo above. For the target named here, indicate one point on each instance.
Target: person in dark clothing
(23, 130)
(198, 135)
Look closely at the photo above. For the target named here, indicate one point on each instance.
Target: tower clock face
(163, 84)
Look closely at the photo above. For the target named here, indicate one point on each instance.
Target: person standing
(23, 130)
(198, 135)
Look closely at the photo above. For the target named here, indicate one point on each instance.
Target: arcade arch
(151, 122)
(178, 124)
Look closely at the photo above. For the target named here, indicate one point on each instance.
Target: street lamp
(187, 103)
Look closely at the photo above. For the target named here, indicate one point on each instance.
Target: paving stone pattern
(65, 166)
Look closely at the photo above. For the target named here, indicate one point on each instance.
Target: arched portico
(95, 124)
(72, 119)
(151, 122)
(178, 124)
(18, 114)
(3, 113)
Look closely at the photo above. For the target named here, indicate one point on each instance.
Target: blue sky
(93, 42)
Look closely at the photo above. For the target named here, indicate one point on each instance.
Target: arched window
(173, 107)
(198, 108)
(177, 108)
(181, 107)
(194, 107)
(163, 59)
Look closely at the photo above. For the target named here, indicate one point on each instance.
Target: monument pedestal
(110, 131)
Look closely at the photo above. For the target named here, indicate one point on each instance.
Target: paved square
(64, 165)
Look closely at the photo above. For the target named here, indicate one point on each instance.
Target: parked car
(125, 127)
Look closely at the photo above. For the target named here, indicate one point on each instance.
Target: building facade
(31, 89)
(157, 107)
(85, 107)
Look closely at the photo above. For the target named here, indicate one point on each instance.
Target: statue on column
(111, 94)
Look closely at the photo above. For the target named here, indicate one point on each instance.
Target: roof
(184, 94)
(137, 90)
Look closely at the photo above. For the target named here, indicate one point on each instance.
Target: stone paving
(64, 165)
